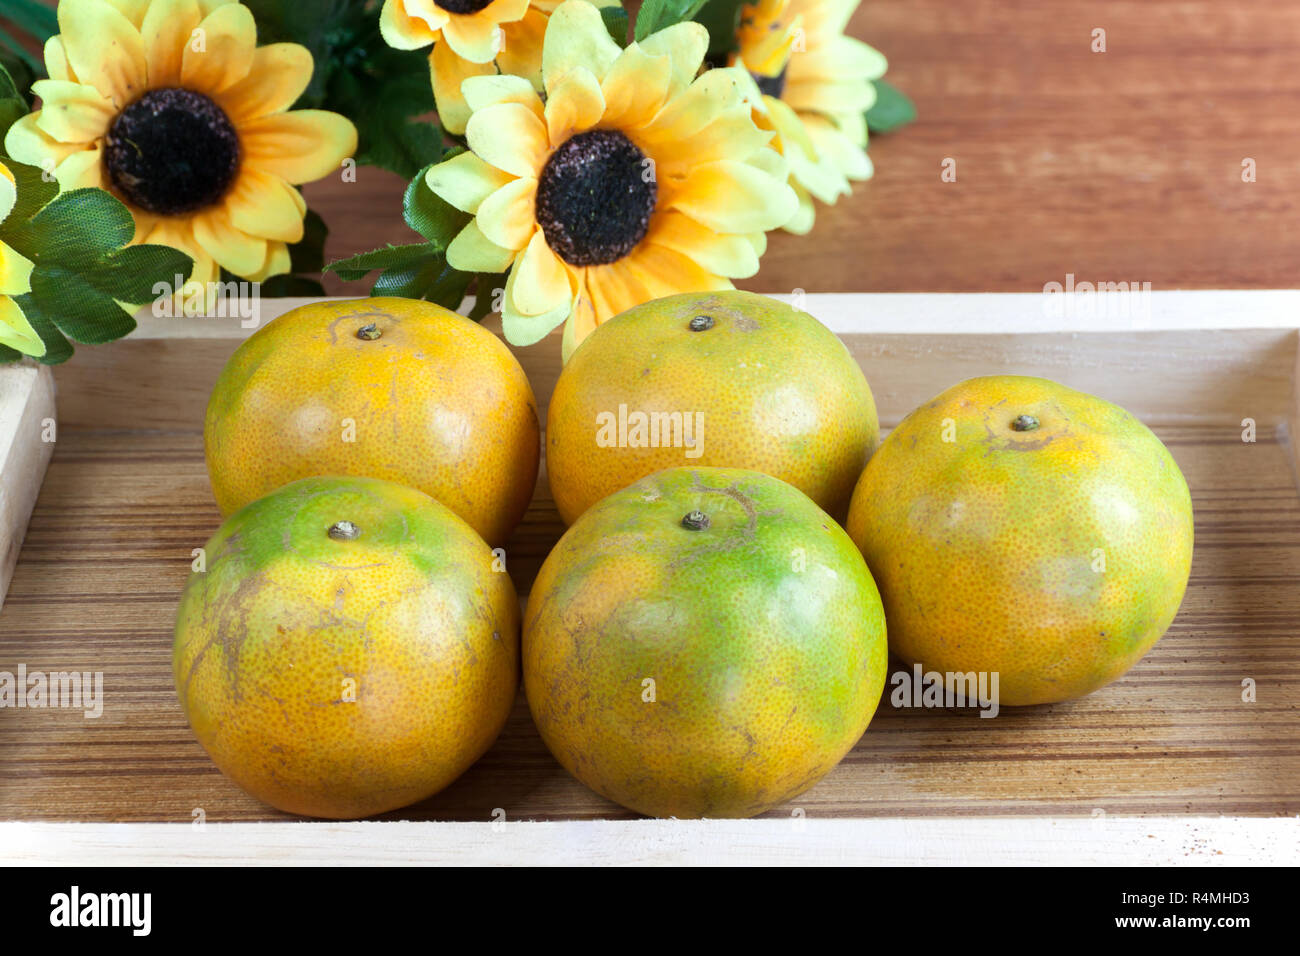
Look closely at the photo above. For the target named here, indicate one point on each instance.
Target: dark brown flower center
(463, 6)
(172, 151)
(595, 198)
(772, 86)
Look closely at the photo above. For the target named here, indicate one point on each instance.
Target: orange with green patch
(1021, 527)
(766, 386)
(705, 642)
(348, 649)
(397, 389)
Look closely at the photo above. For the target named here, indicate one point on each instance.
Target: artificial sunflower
(15, 274)
(471, 38)
(812, 85)
(633, 180)
(173, 107)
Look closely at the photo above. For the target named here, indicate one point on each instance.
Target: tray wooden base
(108, 551)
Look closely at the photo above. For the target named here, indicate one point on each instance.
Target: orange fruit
(704, 642)
(1021, 528)
(397, 389)
(763, 385)
(348, 649)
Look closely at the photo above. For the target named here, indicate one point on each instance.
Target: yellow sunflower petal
(278, 262)
(73, 112)
(465, 181)
(542, 280)
(56, 60)
(8, 193)
(168, 29)
(475, 37)
(265, 206)
(505, 11)
(299, 147)
(802, 222)
(576, 36)
(133, 10)
(480, 92)
(716, 93)
(574, 104)
(229, 39)
(16, 332)
(405, 32)
(849, 158)
(230, 246)
(725, 255)
(104, 49)
(840, 95)
(635, 87)
(510, 137)
(580, 324)
(685, 45)
(841, 57)
(15, 271)
(27, 143)
(730, 196)
(280, 73)
(448, 72)
(662, 271)
(524, 328)
(506, 217)
(471, 251)
(521, 52)
(83, 169)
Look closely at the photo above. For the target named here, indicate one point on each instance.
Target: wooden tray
(126, 498)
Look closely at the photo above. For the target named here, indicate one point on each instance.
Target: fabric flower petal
(230, 246)
(265, 206)
(301, 146)
(576, 36)
(465, 181)
(72, 112)
(720, 253)
(104, 49)
(167, 31)
(471, 251)
(543, 281)
(225, 56)
(685, 45)
(506, 216)
(575, 104)
(448, 72)
(731, 196)
(510, 137)
(279, 75)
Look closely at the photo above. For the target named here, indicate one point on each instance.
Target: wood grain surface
(1116, 166)
(109, 548)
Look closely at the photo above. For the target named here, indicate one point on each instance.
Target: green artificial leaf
(74, 230)
(485, 287)
(892, 109)
(57, 347)
(448, 288)
(133, 273)
(656, 15)
(23, 68)
(390, 101)
(615, 18)
(83, 268)
(13, 105)
(389, 257)
(722, 19)
(79, 310)
(429, 214)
